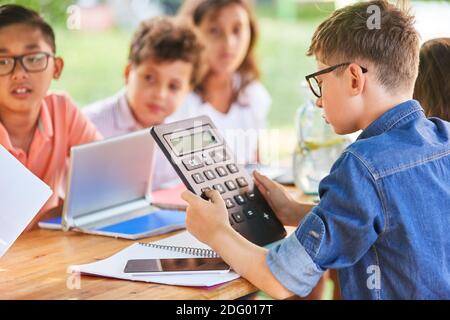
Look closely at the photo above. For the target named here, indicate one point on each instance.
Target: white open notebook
(113, 266)
(22, 196)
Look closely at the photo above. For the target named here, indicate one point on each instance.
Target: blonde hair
(393, 48)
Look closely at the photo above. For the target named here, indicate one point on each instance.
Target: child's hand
(205, 219)
(288, 210)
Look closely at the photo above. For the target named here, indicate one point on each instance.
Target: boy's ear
(357, 79)
(126, 72)
(59, 66)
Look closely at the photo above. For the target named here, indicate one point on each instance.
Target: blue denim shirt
(384, 215)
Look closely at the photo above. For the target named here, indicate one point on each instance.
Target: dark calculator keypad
(229, 188)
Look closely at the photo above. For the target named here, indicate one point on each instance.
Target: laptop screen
(109, 173)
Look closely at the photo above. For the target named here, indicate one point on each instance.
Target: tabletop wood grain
(36, 267)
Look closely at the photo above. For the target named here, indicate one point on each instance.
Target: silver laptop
(109, 189)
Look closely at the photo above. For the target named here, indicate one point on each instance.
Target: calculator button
(209, 174)
(250, 213)
(241, 182)
(266, 216)
(219, 155)
(239, 199)
(207, 159)
(192, 163)
(238, 217)
(219, 188)
(198, 178)
(230, 185)
(232, 168)
(229, 203)
(251, 195)
(221, 171)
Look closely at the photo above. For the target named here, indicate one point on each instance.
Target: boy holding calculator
(378, 222)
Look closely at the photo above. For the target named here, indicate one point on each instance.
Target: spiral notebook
(182, 245)
(197, 252)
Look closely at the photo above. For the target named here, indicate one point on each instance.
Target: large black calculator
(203, 161)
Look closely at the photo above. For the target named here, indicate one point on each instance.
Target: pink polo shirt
(61, 125)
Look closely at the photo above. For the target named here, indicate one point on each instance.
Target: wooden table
(36, 267)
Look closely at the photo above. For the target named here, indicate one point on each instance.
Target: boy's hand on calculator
(287, 209)
(205, 218)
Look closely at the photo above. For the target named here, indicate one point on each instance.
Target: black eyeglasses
(33, 62)
(315, 85)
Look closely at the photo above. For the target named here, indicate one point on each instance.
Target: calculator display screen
(193, 142)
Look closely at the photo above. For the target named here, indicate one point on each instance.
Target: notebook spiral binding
(204, 253)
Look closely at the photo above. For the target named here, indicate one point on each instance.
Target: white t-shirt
(112, 117)
(241, 125)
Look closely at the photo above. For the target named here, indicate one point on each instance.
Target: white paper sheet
(113, 266)
(22, 195)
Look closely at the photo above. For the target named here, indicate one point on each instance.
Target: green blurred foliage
(53, 11)
(94, 61)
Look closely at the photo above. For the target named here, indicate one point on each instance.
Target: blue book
(151, 224)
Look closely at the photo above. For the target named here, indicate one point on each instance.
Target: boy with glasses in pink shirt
(37, 127)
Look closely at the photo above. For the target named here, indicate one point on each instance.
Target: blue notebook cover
(53, 223)
(156, 222)
(153, 221)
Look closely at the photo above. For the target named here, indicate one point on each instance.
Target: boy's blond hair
(392, 46)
